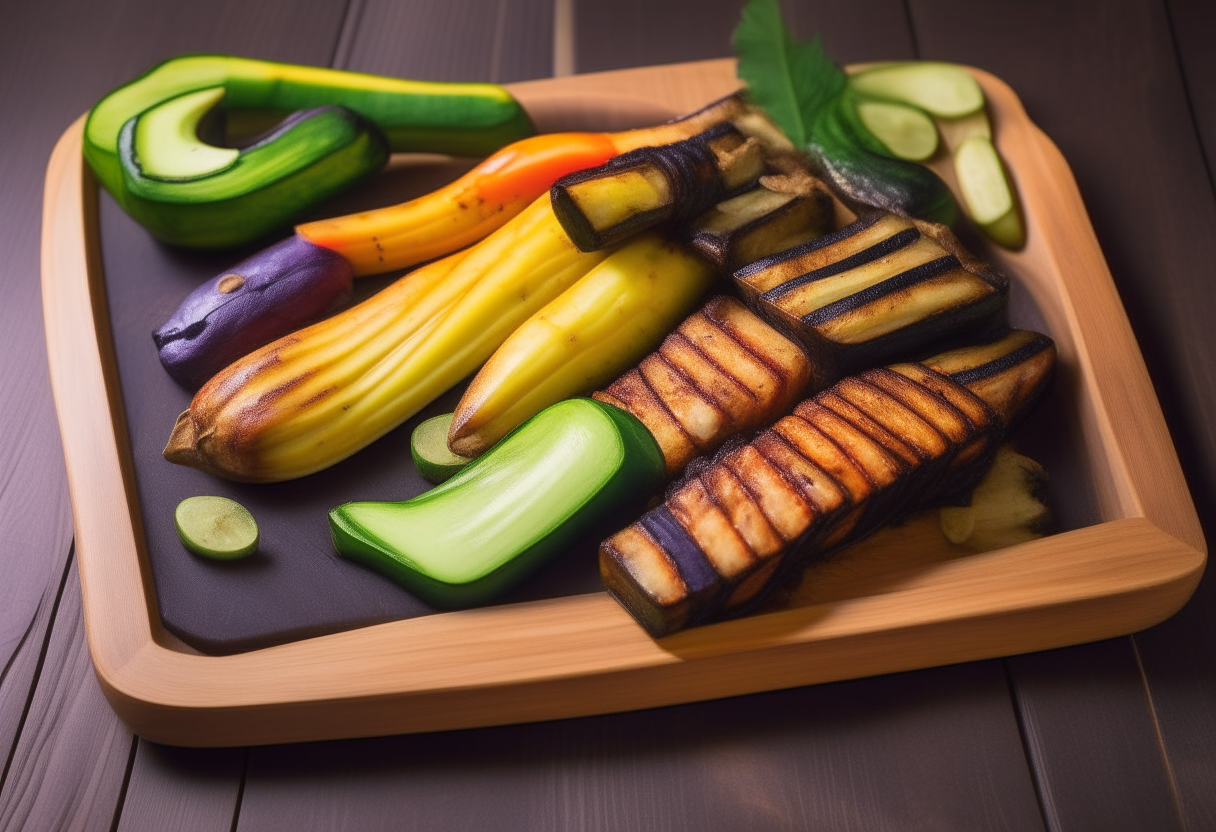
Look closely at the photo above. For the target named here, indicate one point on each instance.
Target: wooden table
(1119, 735)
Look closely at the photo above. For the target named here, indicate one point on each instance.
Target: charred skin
(874, 290)
(858, 456)
(721, 373)
(637, 190)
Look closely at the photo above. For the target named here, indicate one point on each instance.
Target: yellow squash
(313, 398)
(588, 335)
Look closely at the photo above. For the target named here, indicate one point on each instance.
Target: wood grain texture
(644, 32)
(1099, 766)
(182, 789)
(926, 750)
(70, 761)
(464, 40)
(1150, 200)
(57, 58)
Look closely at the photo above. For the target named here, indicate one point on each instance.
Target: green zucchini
(865, 174)
(310, 156)
(526, 499)
(944, 90)
(429, 449)
(907, 132)
(216, 527)
(987, 193)
(461, 119)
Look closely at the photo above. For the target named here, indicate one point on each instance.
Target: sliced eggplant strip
(874, 289)
(722, 373)
(642, 188)
(783, 211)
(820, 479)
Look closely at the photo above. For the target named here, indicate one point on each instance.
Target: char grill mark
(722, 373)
(817, 479)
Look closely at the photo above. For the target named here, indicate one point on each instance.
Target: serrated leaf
(790, 81)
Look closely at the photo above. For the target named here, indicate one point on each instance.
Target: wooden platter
(905, 600)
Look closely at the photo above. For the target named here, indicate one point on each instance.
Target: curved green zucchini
(546, 484)
(863, 170)
(310, 156)
(461, 119)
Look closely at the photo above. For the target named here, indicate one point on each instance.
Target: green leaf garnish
(790, 81)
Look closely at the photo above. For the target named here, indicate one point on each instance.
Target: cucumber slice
(906, 131)
(429, 447)
(945, 90)
(167, 143)
(529, 497)
(216, 527)
(987, 193)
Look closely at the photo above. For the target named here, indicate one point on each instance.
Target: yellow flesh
(588, 335)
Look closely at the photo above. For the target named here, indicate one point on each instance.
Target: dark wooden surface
(1119, 735)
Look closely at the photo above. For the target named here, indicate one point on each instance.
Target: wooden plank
(70, 762)
(1113, 100)
(462, 40)
(1101, 769)
(643, 32)
(68, 767)
(1179, 657)
(924, 750)
(182, 789)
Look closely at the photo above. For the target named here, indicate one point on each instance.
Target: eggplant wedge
(872, 449)
(640, 189)
(784, 210)
(873, 291)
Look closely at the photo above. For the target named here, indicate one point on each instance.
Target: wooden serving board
(1132, 554)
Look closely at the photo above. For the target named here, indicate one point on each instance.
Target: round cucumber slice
(216, 527)
(429, 447)
(945, 90)
(906, 131)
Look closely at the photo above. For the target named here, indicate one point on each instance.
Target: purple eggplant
(264, 297)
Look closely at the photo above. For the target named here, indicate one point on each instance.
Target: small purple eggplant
(262, 298)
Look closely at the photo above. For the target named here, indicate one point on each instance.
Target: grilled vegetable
(486, 197)
(868, 451)
(1008, 506)
(640, 189)
(872, 291)
(945, 90)
(311, 399)
(275, 291)
(583, 338)
(413, 115)
(721, 373)
(782, 211)
(430, 226)
(429, 449)
(532, 495)
(865, 175)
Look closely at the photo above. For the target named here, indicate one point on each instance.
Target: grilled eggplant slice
(721, 373)
(637, 190)
(865, 453)
(784, 210)
(874, 290)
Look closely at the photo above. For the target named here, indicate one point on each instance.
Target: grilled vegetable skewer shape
(862, 454)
